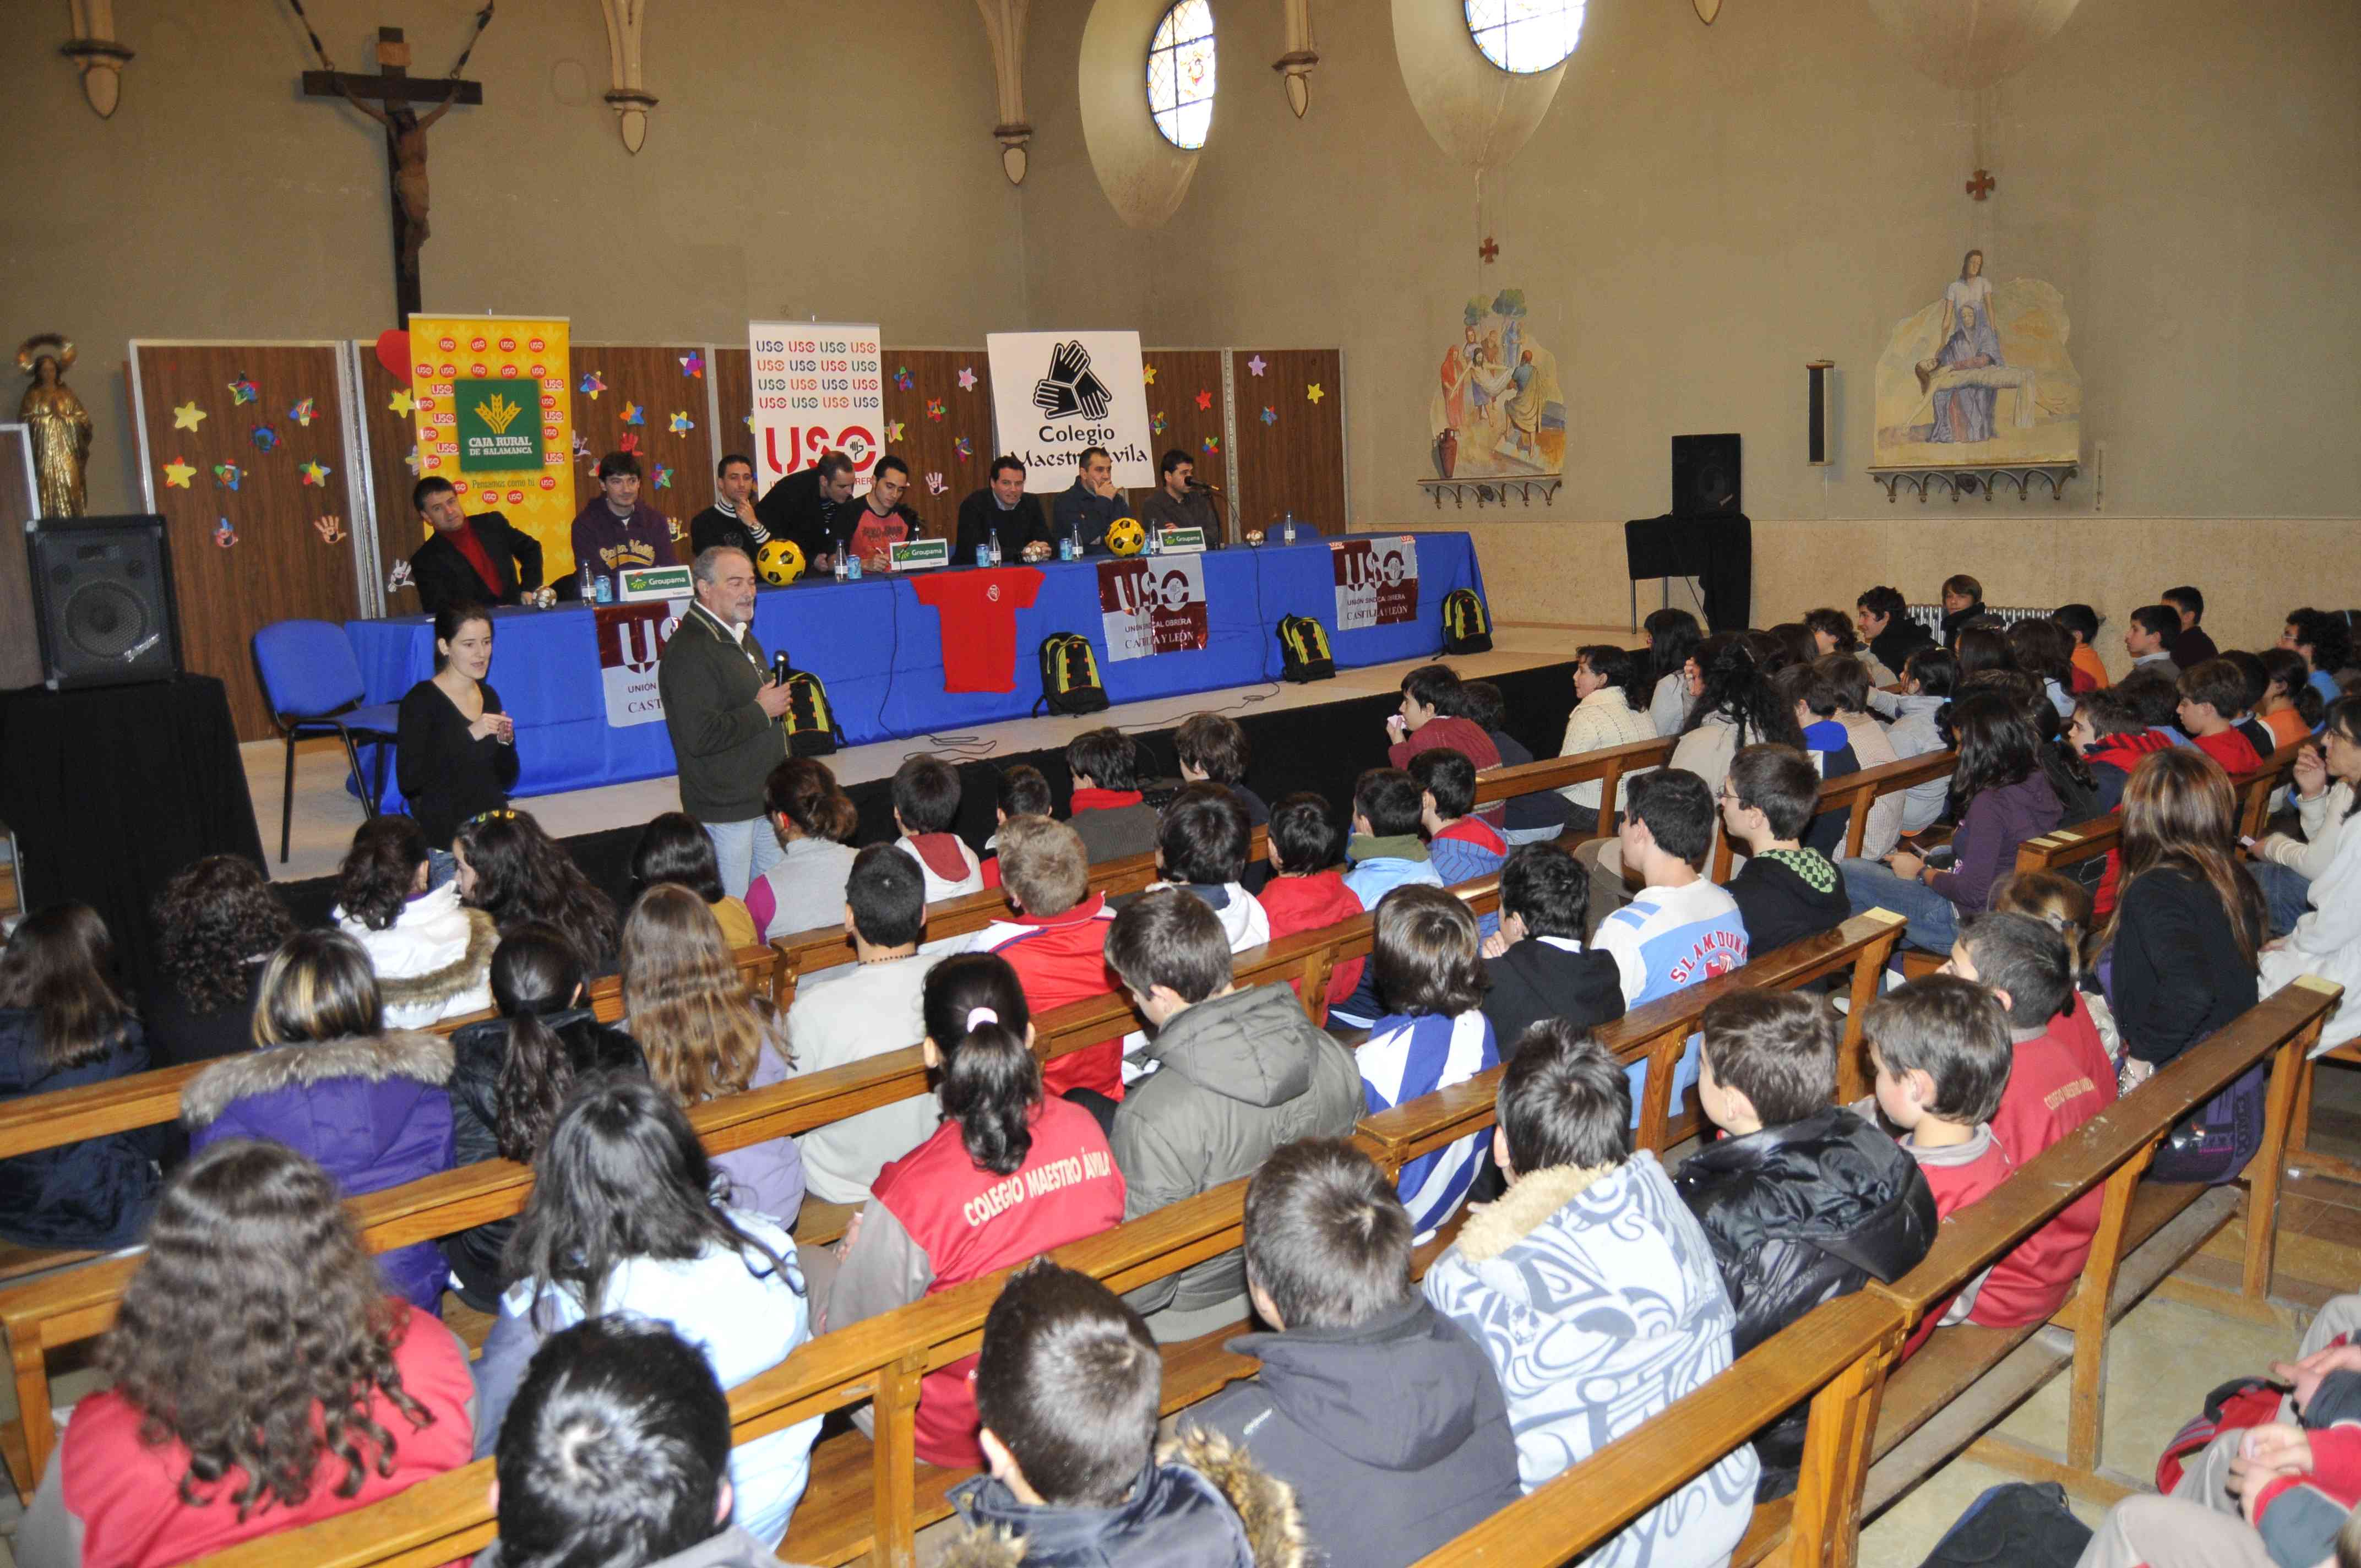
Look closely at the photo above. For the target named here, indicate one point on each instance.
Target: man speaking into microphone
(722, 704)
(1180, 501)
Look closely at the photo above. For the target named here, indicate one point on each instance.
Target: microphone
(1197, 484)
(780, 668)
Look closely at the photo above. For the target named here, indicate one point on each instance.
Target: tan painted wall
(1702, 211)
(219, 203)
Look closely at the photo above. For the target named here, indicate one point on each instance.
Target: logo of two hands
(1072, 389)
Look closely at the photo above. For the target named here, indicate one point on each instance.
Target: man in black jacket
(1003, 509)
(1536, 961)
(468, 560)
(1384, 1416)
(813, 506)
(731, 519)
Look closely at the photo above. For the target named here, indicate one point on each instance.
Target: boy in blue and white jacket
(1384, 853)
(1461, 847)
(1681, 928)
(1434, 1033)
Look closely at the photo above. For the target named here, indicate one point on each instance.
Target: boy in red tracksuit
(2213, 695)
(1429, 716)
(2052, 1090)
(1461, 847)
(1307, 891)
(1940, 1047)
(1056, 942)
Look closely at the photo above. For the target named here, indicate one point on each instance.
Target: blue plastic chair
(314, 685)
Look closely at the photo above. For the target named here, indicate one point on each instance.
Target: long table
(880, 654)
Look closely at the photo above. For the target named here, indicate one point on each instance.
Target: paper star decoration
(227, 475)
(966, 448)
(634, 414)
(1157, 424)
(967, 379)
(682, 424)
(693, 363)
(1147, 374)
(902, 378)
(410, 461)
(244, 392)
(1269, 414)
(1204, 400)
(302, 413)
(593, 384)
(1212, 444)
(186, 415)
(264, 438)
(663, 477)
(935, 485)
(1313, 393)
(893, 428)
(1258, 365)
(224, 535)
(315, 473)
(402, 402)
(935, 408)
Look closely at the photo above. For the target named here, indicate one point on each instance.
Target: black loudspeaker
(103, 600)
(1815, 411)
(1706, 476)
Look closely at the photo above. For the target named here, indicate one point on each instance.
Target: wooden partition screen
(1291, 443)
(243, 447)
(20, 645)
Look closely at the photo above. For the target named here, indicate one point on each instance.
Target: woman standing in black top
(455, 750)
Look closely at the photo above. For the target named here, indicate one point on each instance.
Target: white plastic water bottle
(992, 549)
(1287, 532)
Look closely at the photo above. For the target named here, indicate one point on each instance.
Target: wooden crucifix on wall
(405, 132)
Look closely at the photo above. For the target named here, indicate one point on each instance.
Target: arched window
(1524, 36)
(1180, 74)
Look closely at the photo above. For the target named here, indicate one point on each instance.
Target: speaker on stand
(103, 600)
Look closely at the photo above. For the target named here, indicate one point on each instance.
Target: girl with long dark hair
(510, 1075)
(217, 922)
(64, 1025)
(622, 1220)
(455, 749)
(1610, 708)
(327, 1079)
(1010, 1174)
(1672, 636)
(2290, 705)
(673, 846)
(515, 873)
(1999, 797)
(430, 954)
(262, 1378)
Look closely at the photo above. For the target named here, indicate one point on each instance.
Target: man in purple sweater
(618, 529)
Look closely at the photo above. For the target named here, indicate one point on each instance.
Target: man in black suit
(469, 560)
(1003, 506)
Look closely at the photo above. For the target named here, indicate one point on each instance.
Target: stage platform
(326, 812)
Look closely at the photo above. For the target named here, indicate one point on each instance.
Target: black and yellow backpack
(810, 722)
(1466, 625)
(1069, 676)
(1303, 648)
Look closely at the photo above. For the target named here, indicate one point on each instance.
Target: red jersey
(1308, 904)
(1955, 1186)
(1060, 958)
(2051, 1090)
(978, 616)
(127, 1492)
(1463, 736)
(971, 1221)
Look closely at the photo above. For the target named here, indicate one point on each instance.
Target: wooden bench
(2065, 846)
(1854, 793)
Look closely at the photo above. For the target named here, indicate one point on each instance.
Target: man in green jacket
(722, 709)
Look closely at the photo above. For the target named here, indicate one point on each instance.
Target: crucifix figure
(405, 134)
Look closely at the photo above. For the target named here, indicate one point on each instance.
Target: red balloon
(393, 353)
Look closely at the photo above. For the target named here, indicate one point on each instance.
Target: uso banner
(1056, 393)
(1152, 604)
(632, 637)
(820, 387)
(496, 418)
(1376, 581)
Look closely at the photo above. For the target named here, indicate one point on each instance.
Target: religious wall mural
(1981, 376)
(1498, 411)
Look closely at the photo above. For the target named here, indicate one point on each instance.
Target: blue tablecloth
(879, 652)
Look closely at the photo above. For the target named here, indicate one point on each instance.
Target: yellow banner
(496, 418)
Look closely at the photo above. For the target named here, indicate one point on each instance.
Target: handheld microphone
(780, 668)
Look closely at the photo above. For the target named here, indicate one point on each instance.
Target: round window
(1520, 36)
(1180, 74)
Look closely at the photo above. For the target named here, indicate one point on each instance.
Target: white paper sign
(1058, 393)
(820, 387)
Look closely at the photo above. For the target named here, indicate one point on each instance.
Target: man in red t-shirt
(882, 520)
(1430, 716)
(2051, 1090)
(1056, 942)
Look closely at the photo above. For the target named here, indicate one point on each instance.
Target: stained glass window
(1525, 36)
(1180, 73)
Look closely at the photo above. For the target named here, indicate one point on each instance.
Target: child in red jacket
(1056, 941)
(1307, 889)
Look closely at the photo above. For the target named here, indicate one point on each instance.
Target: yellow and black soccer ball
(1125, 537)
(779, 561)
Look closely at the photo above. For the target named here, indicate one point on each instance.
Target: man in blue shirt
(1093, 502)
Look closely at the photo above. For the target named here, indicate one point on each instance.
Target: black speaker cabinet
(1706, 477)
(103, 600)
(1815, 411)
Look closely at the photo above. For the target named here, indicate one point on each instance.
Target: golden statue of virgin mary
(59, 425)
